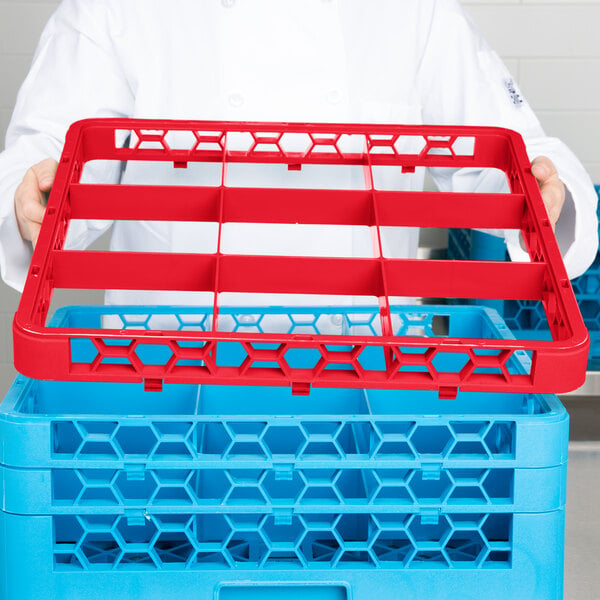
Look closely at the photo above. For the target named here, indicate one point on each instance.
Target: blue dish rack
(248, 493)
(525, 318)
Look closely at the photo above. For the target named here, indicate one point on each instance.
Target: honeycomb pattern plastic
(296, 438)
(282, 487)
(331, 540)
(408, 322)
(329, 556)
(250, 493)
(354, 454)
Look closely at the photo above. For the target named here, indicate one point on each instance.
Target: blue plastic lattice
(368, 451)
(478, 557)
(362, 486)
(246, 493)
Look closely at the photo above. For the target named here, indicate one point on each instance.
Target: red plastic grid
(45, 353)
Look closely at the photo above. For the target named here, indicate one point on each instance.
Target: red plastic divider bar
(45, 353)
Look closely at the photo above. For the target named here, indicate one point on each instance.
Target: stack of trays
(248, 492)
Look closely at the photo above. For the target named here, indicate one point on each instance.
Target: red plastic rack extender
(557, 365)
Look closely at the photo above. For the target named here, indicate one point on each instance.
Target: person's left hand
(552, 188)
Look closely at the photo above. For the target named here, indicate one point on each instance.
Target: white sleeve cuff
(15, 253)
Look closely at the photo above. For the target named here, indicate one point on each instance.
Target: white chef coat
(382, 61)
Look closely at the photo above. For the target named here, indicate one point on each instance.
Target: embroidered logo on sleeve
(513, 92)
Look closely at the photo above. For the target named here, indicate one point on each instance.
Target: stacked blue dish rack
(248, 493)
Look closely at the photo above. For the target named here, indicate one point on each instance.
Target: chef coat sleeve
(76, 74)
(463, 82)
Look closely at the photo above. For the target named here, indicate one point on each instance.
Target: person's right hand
(31, 197)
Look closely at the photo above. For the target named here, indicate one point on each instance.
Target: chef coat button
(334, 96)
(236, 100)
(227, 3)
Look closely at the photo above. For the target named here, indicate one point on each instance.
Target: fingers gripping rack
(269, 358)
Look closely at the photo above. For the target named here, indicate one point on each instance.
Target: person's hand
(552, 188)
(31, 197)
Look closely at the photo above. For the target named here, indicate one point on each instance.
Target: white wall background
(551, 46)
